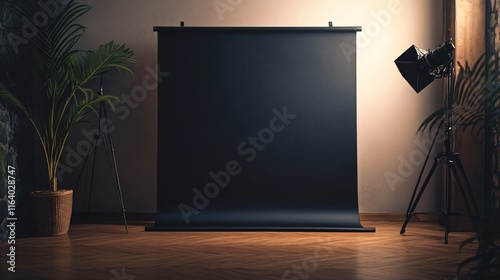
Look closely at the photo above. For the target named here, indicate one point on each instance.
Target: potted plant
(476, 108)
(61, 98)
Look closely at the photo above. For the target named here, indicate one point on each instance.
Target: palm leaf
(65, 72)
(475, 98)
(34, 119)
(476, 101)
(85, 66)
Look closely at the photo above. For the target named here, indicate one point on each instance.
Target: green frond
(7, 95)
(85, 66)
(476, 97)
(64, 98)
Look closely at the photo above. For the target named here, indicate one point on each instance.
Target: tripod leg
(448, 200)
(117, 177)
(95, 142)
(92, 171)
(466, 187)
(85, 168)
(409, 212)
(413, 204)
(118, 185)
(466, 191)
(463, 183)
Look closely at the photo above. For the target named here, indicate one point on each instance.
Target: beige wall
(389, 111)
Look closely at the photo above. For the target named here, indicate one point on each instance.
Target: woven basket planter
(52, 211)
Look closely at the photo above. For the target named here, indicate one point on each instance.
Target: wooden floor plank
(101, 251)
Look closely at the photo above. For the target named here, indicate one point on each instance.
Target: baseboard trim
(399, 217)
(99, 217)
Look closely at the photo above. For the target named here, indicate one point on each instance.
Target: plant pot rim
(53, 193)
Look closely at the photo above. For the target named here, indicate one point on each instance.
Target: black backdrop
(257, 129)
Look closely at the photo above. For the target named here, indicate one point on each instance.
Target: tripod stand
(104, 121)
(453, 166)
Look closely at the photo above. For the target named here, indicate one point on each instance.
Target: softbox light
(409, 66)
(420, 67)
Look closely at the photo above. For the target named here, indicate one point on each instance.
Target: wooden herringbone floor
(96, 251)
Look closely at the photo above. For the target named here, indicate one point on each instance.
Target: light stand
(103, 121)
(439, 63)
